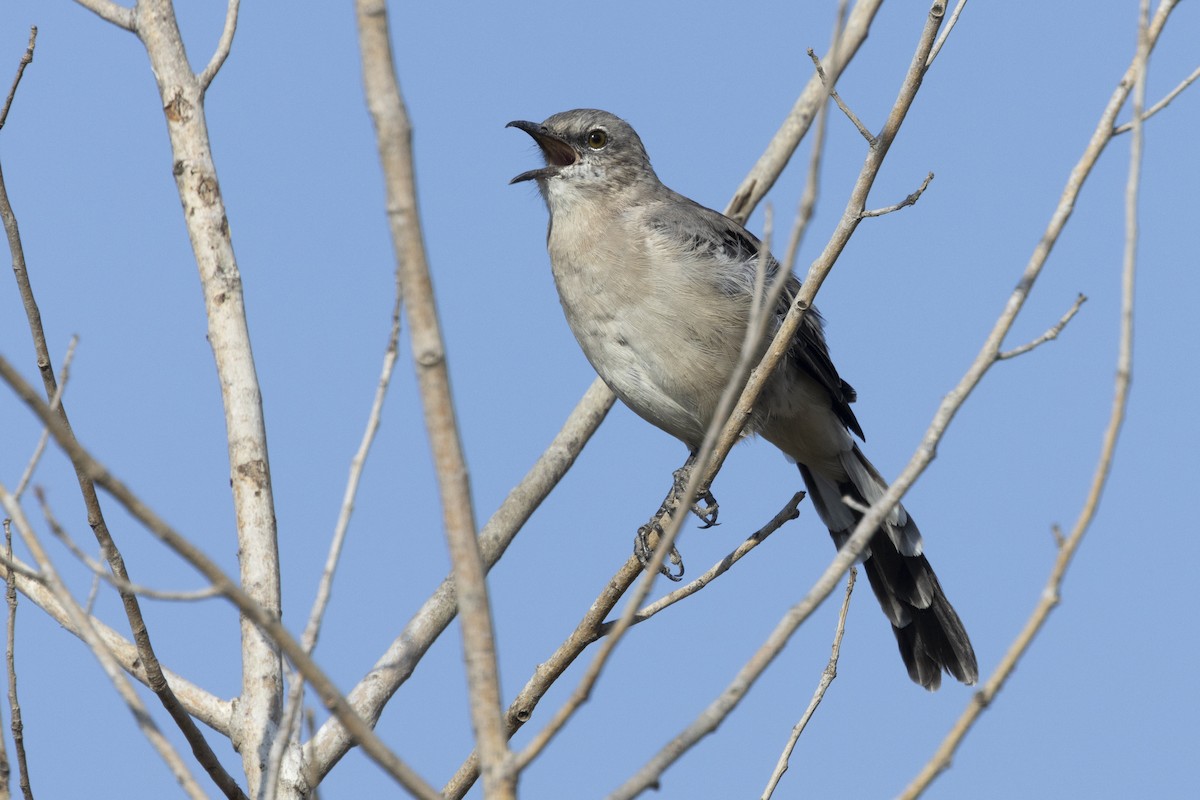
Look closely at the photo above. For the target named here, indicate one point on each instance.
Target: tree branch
(950, 23)
(1161, 104)
(1147, 37)
(25, 61)
(394, 138)
(137, 625)
(16, 726)
(109, 11)
(779, 150)
(907, 201)
(837, 98)
(182, 96)
(827, 676)
(224, 45)
(111, 668)
(1051, 333)
(269, 625)
(395, 666)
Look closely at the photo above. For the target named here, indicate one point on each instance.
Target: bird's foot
(705, 507)
(647, 540)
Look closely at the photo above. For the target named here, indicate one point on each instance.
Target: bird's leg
(707, 512)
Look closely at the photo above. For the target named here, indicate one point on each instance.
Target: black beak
(557, 151)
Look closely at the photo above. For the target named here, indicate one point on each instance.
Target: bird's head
(587, 152)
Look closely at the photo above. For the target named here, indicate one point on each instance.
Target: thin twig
(214, 712)
(837, 98)
(1051, 333)
(907, 201)
(1161, 104)
(812, 181)
(112, 669)
(291, 716)
(779, 150)
(224, 45)
(396, 664)
(592, 628)
(827, 676)
(25, 61)
(1049, 599)
(99, 571)
(264, 621)
(64, 373)
(14, 705)
(950, 23)
(789, 512)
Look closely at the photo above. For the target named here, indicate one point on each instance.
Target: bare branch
(109, 11)
(401, 658)
(40, 448)
(312, 629)
(812, 181)
(1161, 104)
(25, 61)
(789, 512)
(950, 23)
(99, 571)
(394, 138)
(837, 98)
(586, 632)
(592, 627)
(264, 621)
(224, 45)
(779, 150)
(1051, 333)
(109, 664)
(14, 704)
(1049, 599)
(907, 201)
(58, 414)
(827, 676)
(204, 706)
(181, 95)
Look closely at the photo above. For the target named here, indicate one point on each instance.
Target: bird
(659, 291)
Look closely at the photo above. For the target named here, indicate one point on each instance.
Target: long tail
(929, 632)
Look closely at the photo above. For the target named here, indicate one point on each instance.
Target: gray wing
(732, 243)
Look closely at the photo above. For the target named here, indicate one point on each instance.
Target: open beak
(557, 151)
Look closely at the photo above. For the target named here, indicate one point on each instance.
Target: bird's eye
(597, 138)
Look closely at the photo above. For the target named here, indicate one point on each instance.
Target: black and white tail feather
(929, 632)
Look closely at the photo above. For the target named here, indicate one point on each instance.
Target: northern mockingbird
(658, 290)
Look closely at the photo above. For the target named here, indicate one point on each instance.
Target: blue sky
(1105, 704)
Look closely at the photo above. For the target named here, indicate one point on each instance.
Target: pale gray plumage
(658, 291)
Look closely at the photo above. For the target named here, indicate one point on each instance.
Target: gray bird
(658, 291)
